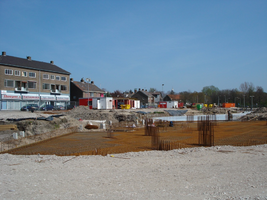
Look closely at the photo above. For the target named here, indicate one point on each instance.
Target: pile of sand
(221, 172)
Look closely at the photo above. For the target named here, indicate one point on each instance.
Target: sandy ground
(223, 172)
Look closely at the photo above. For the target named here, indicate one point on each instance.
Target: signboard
(48, 97)
(11, 96)
(63, 98)
(30, 97)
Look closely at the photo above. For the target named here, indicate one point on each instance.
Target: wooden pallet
(8, 127)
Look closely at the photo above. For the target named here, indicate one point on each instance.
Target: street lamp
(251, 102)
(244, 101)
(236, 98)
(88, 81)
(162, 91)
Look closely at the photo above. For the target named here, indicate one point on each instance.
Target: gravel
(221, 172)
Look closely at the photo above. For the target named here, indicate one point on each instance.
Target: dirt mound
(261, 110)
(211, 111)
(84, 113)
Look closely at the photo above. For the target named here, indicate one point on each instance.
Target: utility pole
(88, 82)
(244, 101)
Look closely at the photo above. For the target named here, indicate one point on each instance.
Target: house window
(32, 74)
(63, 87)
(17, 73)
(8, 72)
(24, 74)
(45, 76)
(52, 77)
(57, 78)
(46, 86)
(63, 78)
(31, 84)
(9, 83)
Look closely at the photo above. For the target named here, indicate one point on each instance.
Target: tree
(210, 94)
(185, 96)
(117, 93)
(152, 90)
(209, 90)
(259, 96)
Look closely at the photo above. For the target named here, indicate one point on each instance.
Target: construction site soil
(218, 172)
(121, 137)
(134, 139)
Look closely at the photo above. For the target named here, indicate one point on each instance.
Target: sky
(128, 44)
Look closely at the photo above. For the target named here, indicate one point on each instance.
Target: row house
(84, 89)
(24, 81)
(146, 98)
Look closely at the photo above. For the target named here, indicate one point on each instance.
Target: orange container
(228, 105)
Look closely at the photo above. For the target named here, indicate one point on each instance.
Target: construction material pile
(258, 114)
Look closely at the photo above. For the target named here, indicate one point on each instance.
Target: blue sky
(128, 44)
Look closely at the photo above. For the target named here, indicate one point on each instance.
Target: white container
(22, 133)
(102, 126)
(15, 136)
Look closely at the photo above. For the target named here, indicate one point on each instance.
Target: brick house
(24, 81)
(172, 97)
(146, 98)
(82, 89)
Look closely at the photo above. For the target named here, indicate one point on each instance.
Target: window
(32, 74)
(46, 86)
(24, 74)
(9, 83)
(63, 87)
(31, 84)
(45, 76)
(17, 73)
(52, 77)
(8, 72)
(57, 78)
(63, 78)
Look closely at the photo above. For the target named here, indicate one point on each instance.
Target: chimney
(92, 82)
(29, 58)
(146, 90)
(3, 53)
(142, 89)
(82, 80)
(71, 79)
(135, 90)
(139, 89)
(52, 62)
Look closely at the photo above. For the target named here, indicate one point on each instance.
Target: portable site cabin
(97, 102)
(162, 104)
(228, 105)
(126, 103)
(172, 104)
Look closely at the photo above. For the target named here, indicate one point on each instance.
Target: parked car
(47, 107)
(69, 107)
(29, 107)
(58, 107)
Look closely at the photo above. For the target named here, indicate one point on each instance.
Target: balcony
(55, 91)
(21, 90)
